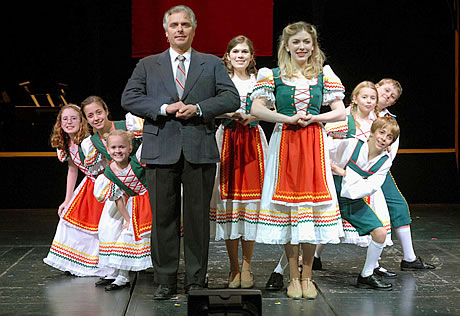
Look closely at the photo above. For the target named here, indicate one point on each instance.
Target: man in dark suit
(179, 100)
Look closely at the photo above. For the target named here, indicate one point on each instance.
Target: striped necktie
(180, 76)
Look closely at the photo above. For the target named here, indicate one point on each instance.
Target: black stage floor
(30, 287)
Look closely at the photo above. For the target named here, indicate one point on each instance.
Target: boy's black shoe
(385, 273)
(317, 265)
(275, 282)
(372, 282)
(417, 264)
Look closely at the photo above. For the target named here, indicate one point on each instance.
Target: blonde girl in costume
(75, 247)
(128, 235)
(242, 144)
(97, 158)
(299, 205)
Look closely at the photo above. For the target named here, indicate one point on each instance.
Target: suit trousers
(164, 184)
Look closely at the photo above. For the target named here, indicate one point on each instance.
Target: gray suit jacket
(165, 137)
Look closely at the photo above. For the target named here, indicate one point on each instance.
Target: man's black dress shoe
(114, 287)
(417, 264)
(372, 282)
(385, 273)
(104, 282)
(317, 265)
(193, 287)
(165, 292)
(275, 282)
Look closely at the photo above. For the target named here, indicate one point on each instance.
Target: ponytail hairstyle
(93, 99)
(240, 39)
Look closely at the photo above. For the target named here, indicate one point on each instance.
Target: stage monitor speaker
(224, 302)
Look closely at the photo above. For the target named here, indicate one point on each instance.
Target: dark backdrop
(87, 45)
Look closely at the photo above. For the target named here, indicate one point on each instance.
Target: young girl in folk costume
(242, 143)
(359, 170)
(360, 114)
(299, 203)
(97, 157)
(129, 232)
(389, 92)
(75, 246)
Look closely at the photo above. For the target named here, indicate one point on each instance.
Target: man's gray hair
(179, 8)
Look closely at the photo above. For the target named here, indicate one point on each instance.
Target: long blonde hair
(60, 139)
(355, 93)
(314, 65)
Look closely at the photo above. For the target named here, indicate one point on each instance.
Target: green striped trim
(124, 256)
(235, 222)
(73, 261)
(301, 222)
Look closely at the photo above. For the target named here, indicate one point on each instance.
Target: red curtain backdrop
(218, 22)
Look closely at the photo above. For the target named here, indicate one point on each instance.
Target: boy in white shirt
(359, 169)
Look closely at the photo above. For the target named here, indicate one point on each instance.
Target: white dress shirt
(174, 63)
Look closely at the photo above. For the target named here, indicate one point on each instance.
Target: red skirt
(84, 210)
(302, 167)
(141, 215)
(242, 164)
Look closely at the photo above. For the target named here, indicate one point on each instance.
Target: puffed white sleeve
(62, 155)
(333, 88)
(354, 186)
(134, 124)
(338, 130)
(264, 86)
(139, 152)
(105, 189)
(94, 160)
